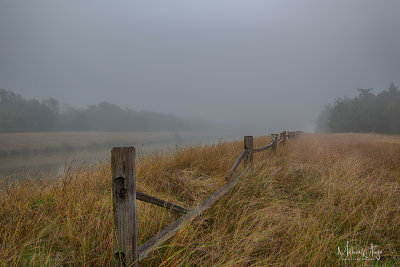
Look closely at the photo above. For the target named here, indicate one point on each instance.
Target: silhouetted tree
(366, 112)
(21, 115)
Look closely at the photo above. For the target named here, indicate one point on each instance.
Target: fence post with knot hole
(124, 205)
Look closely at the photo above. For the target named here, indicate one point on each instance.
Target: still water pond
(36, 154)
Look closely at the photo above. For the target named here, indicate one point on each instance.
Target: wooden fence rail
(127, 252)
(159, 202)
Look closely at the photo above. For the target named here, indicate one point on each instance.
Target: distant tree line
(367, 112)
(18, 114)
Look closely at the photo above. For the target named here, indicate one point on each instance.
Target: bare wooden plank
(248, 146)
(236, 165)
(154, 242)
(280, 137)
(274, 138)
(159, 202)
(124, 204)
(284, 137)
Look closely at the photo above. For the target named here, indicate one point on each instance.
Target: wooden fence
(125, 196)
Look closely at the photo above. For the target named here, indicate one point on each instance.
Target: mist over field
(259, 65)
(199, 133)
(190, 72)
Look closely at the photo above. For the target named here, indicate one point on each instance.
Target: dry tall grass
(293, 209)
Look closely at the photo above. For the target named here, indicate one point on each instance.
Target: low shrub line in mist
(365, 113)
(18, 114)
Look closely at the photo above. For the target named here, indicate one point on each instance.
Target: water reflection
(36, 163)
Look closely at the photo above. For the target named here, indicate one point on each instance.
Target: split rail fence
(127, 252)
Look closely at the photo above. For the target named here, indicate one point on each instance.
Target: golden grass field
(294, 209)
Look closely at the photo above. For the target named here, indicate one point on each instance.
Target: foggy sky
(274, 63)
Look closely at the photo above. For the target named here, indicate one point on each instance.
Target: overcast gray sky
(275, 63)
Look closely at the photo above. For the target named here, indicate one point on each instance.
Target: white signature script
(356, 253)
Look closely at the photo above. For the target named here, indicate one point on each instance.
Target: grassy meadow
(295, 208)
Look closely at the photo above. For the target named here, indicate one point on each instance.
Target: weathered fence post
(124, 205)
(248, 146)
(284, 137)
(274, 138)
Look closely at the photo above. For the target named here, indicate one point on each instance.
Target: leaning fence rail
(125, 195)
(236, 165)
(263, 148)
